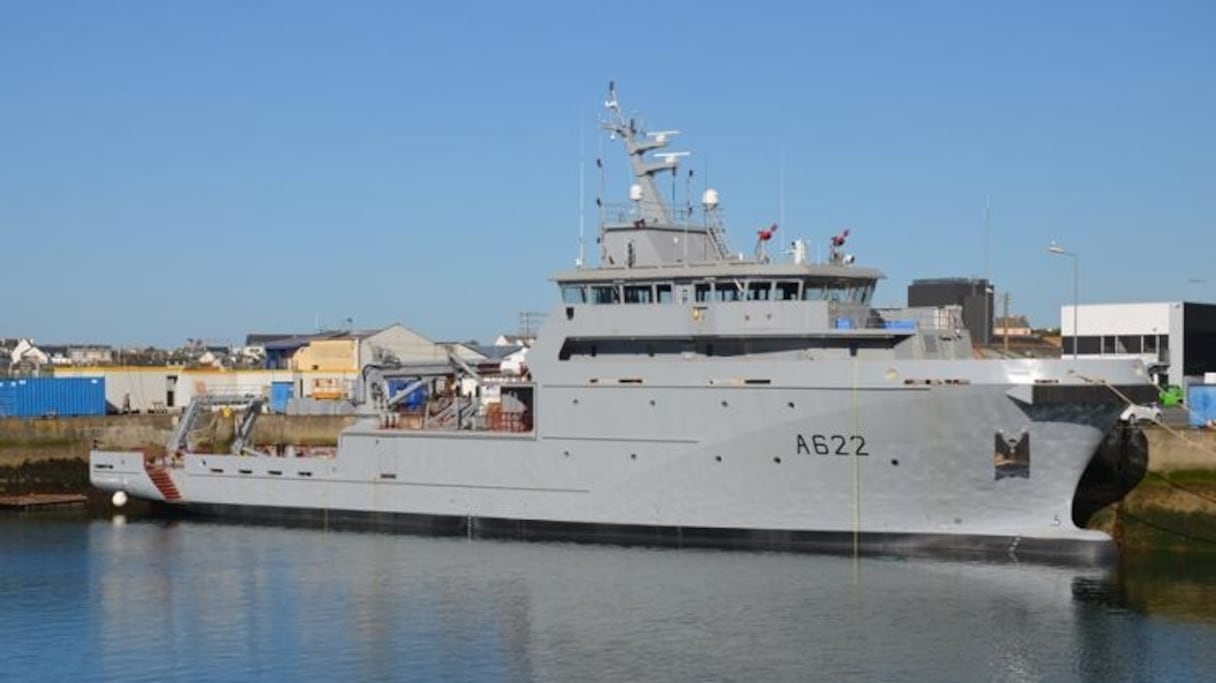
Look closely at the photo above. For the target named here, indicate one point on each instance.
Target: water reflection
(1181, 587)
(197, 601)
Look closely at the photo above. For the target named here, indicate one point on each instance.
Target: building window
(1150, 343)
(1129, 344)
(1108, 345)
(1066, 346)
(1090, 346)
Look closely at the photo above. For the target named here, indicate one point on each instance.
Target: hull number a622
(831, 444)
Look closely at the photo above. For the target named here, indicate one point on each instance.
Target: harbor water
(108, 599)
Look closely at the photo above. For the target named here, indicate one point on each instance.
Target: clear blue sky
(173, 169)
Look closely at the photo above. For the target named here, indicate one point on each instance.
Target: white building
(25, 354)
(1176, 340)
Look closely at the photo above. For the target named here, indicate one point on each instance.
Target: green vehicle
(1171, 396)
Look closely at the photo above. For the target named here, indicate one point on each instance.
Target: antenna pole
(582, 143)
(781, 193)
(688, 197)
(599, 200)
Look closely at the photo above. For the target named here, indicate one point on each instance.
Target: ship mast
(651, 207)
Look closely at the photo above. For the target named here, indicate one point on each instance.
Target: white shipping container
(1209, 378)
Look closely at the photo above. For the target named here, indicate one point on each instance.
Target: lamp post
(1057, 249)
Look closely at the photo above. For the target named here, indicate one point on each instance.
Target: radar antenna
(650, 204)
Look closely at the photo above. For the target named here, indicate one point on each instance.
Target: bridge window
(663, 293)
(812, 292)
(759, 291)
(728, 291)
(572, 294)
(704, 291)
(638, 294)
(605, 294)
(786, 291)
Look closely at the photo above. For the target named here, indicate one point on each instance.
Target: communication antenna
(688, 196)
(611, 104)
(705, 182)
(582, 144)
(781, 193)
(599, 200)
(669, 158)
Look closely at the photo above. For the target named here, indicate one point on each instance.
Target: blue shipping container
(52, 396)
(1201, 403)
(280, 396)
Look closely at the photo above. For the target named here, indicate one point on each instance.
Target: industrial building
(312, 373)
(973, 294)
(1176, 340)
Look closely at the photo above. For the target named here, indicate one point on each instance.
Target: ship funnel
(710, 199)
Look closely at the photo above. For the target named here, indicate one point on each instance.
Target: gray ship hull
(877, 457)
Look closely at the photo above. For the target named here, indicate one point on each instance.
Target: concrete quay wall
(1173, 449)
(24, 440)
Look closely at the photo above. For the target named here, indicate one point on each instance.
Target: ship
(684, 394)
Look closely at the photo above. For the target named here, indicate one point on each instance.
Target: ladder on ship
(718, 239)
(163, 481)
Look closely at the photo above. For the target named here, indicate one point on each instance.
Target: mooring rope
(1173, 432)
(1180, 487)
(1170, 482)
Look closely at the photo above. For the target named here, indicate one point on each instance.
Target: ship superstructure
(683, 393)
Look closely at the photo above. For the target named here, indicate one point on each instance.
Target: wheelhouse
(845, 290)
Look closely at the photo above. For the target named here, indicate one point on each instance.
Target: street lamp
(1057, 249)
